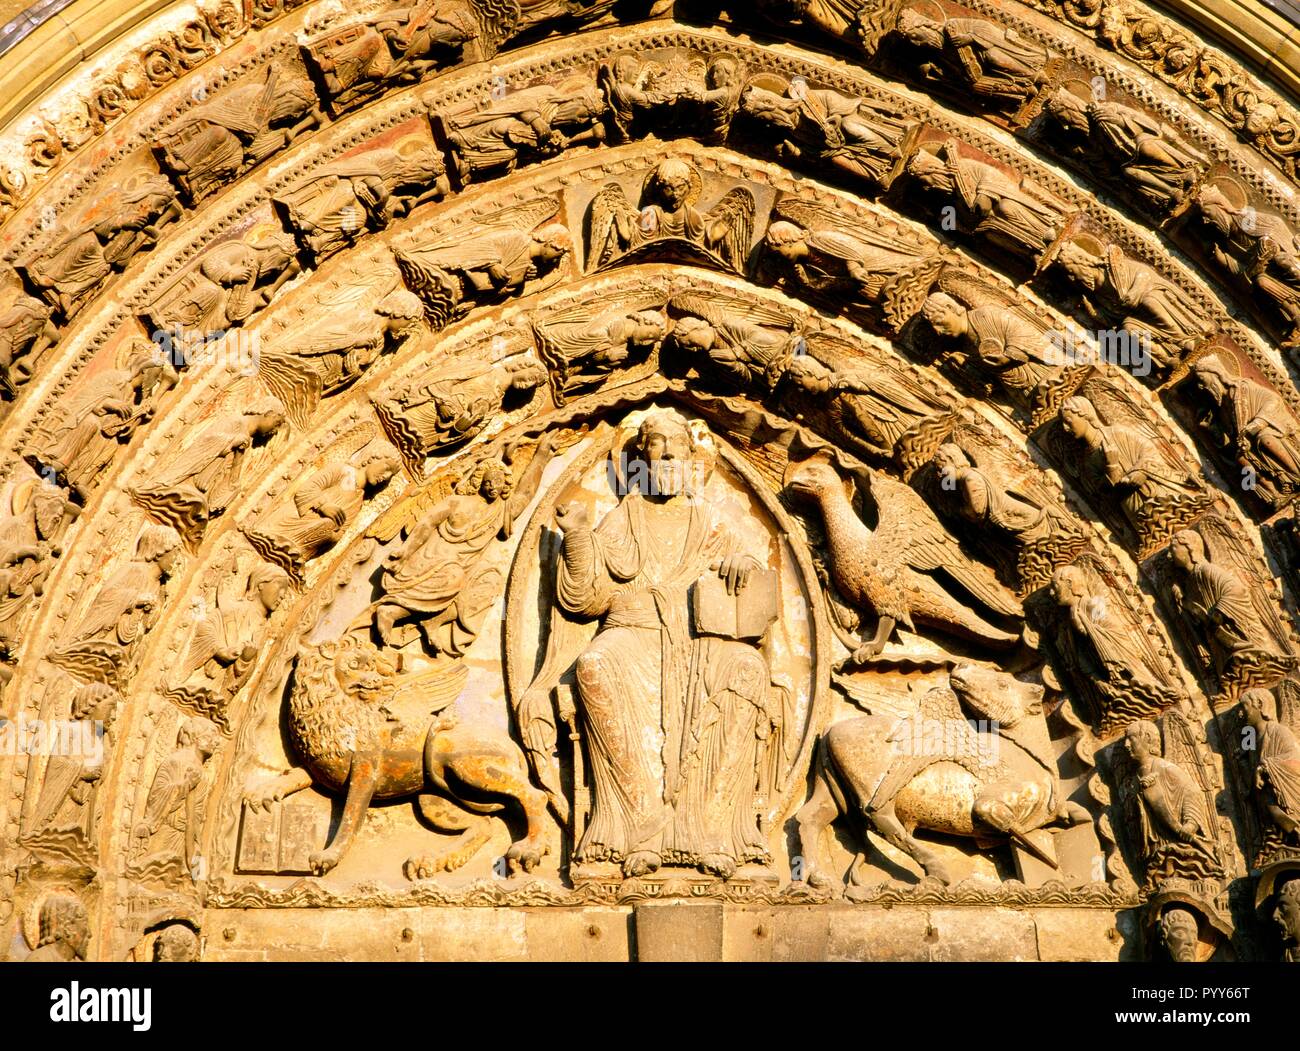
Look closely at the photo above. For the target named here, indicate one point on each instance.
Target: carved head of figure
(403, 309)
(945, 315)
(1083, 266)
(809, 374)
(647, 327)
(1069, 110)
(526, 375)
(769, 106)
(379, 469)
(420, 166)
(199, 733)
(1262, 118)
(694, 333)
(1069, 586)
(1142, 740)
(269, 584)
(490, 479)
(176, 943)
(1216, 209)
(722, 73)
(1079, 417)
(1187, 549)
(63, 923)
(552, 242)
(1212, 375)
(150, 369)
(951, 459)
(160, 545)
(672, 183)
(1286, 914)
(626, 69)
(931, 171)
(665, 443)
(265, 419)
(1179, 934)
(96, 701)
(915, 28)
(787, 240)
(1256, 707)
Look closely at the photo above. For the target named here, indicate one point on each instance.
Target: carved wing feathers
(907, 525)
(736, 211)
(608, 208)
(297, 387)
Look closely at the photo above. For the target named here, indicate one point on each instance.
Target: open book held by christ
(745, 615)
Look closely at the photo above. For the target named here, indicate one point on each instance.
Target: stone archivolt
(601, 451)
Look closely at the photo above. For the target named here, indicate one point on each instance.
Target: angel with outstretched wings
(1276, 751)
(581, 345)
(72, 776)
(224, 640)
(749, 342)
(453, 402)
(494, 258)
(873, 266)
(1029, 522)
(719, 237)
(878, 405)
(334, 343)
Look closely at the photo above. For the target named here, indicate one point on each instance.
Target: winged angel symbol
(670, 223)
(334, 343)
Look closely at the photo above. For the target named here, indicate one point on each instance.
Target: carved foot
(818, 880)
(422, 866)
(723, 865)
(526, 854)
(867, 652)
(936, 869)
(322, 861)
(641, 863)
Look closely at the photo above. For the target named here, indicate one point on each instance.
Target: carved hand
(735, 569)
(572, 517)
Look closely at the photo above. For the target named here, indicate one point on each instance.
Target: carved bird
(904, 569)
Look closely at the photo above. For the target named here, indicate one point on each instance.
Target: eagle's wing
(907, 525)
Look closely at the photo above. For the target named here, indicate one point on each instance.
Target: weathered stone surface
(482, 486)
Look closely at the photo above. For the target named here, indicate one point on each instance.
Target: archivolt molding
(246, 208)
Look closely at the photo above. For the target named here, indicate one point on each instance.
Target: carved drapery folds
(636, 444)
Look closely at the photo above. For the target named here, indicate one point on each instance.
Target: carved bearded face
(667, 448)
(1287, 913)
(1178, 931)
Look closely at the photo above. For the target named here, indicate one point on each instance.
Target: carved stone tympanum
(578, 479)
